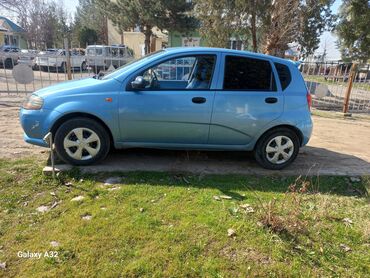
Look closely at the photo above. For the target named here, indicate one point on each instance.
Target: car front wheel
(82, 141)
(277, 148)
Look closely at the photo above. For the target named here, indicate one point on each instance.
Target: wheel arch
(69, 116)
(292, 128)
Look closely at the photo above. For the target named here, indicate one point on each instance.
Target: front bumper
(36, 124)
(35, 141)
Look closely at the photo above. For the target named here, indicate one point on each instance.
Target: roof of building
(14, 27)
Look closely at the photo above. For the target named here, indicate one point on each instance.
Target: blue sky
(71, 5)
(330, 39)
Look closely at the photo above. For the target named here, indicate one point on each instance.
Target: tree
(216, 21)
(13, 5)
(90, 15)
(46, 24)
(316, 17)
(87, 36)
(245, 20)
(265, 25)
(353, 30)
(146, 14)
(283, 26)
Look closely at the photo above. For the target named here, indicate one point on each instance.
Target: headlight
(34, 102)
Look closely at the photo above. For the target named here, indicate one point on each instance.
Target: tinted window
(248, 74)
(284, 75)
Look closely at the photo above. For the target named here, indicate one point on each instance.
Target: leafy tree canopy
(353, 30)
(145, 14)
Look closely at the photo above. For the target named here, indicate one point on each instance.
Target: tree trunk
(122, 38)
(254, 30)
(253, 26)
(148, 34)
(105, 30)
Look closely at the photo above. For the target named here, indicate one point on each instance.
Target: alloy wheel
(82, 143)
(279, 149)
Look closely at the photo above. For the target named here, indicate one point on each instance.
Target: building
(176, 39)
(193, 39)
(11, 33)
(135, 39)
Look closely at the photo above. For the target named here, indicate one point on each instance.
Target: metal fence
(328, 83)
(27, 72)
(13, 81)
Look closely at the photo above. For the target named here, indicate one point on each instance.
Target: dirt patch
(11, 133)
(337, 147)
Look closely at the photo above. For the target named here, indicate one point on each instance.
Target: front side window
(185, 73)
(248, 74)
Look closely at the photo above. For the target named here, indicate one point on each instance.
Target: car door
(249, 98)
(172, 111)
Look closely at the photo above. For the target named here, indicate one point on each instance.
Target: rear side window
(284, 75)
(248, 74)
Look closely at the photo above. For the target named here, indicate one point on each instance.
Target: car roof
(102, 45)
(230, 51)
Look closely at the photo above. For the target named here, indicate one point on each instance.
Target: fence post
(352, 76)
(68, 58)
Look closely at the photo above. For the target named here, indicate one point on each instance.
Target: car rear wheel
(8, 63)
(83, 66)
(277, 148)
(82, 141)
(63, 67)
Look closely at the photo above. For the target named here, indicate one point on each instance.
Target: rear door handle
(271, 100)
(199, 99)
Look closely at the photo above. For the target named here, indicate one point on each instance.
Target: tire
(268, 153)
(83, 66)
(63, 67)
(69, 148)
(8, 64)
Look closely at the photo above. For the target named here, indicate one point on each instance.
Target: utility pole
(352, 76)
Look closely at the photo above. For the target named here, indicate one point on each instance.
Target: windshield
(132, 63)
(95, 51)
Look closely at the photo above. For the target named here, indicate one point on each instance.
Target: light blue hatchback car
(178, 98)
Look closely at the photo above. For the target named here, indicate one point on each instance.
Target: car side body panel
(88, 96)
(236, 119)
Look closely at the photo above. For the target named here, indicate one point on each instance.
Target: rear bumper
(306, 128)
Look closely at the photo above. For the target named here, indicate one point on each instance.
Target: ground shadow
(238, 169)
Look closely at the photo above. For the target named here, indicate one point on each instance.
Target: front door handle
(271, 100)
(199, 99)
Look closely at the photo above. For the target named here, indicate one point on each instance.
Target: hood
(86, 85)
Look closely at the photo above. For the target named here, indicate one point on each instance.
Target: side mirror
(138, 83)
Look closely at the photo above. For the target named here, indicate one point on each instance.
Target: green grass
(340, 115)
(321, 79)
(169, 225)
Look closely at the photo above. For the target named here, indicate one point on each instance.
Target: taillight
(309, 100)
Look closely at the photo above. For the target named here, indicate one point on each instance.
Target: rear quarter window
(284, 74)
